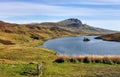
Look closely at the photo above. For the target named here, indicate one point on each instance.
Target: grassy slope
(29, 35)
(20, 40)
(111, 37)
(16, 55)
(17, 42)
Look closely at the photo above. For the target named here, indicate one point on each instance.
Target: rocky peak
(72, 22)
(75, 20)
(2, 22)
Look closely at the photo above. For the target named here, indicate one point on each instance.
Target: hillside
(36, 34)
(76, 25)
(26, 34)
(110, 37)
(18, 41)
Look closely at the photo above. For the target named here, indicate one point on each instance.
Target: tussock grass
(107, 59)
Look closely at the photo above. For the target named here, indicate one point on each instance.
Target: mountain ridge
(76, 25)
(71, 24)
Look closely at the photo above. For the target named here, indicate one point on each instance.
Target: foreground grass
(18, 61)
(81, 70)
(61, 70)
(16, 70)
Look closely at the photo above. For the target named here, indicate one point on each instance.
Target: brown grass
(6, 61)
(6, 42)
(89, 59)
(111, 37)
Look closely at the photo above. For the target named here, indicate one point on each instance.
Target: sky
(97, 13)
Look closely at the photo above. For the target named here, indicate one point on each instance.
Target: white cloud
(15, 9)
(20, 8)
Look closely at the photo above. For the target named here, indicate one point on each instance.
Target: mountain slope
(77, 26)
(34, 34)
(29, 34)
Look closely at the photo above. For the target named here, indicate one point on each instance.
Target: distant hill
(76, 25)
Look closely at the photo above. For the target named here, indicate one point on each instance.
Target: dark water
(76, 46)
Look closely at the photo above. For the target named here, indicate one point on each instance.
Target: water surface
(76, 46)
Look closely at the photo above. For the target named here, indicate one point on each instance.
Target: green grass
(80, 69)
(19, 54)
(16, 70)
(61, 70)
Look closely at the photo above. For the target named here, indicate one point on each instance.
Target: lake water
(76, 46)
